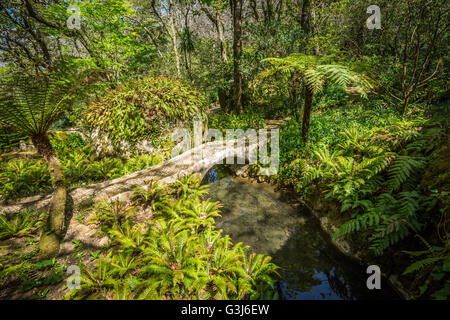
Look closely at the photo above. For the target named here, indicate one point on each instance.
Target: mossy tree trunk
(222, 41)
(307, 114)
(53, 230)
(305, 19)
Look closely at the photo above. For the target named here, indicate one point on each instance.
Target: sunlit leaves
(175, 254)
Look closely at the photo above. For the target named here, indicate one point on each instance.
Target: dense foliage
(22, 177)
(174, 252)
(143, 109)
(177, 254)
(371, 147)
(377, 166)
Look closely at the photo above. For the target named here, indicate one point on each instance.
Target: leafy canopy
(316, 71)
(32, 105)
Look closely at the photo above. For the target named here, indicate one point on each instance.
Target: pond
(266, 220)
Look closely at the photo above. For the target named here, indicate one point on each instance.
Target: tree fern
(315, 71)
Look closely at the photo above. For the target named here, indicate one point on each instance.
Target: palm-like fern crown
(32, 105)
(316, 70)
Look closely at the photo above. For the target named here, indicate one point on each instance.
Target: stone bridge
(197, 160)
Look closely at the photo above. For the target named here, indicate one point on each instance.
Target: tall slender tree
(305, 19)
(214, 9)
(236, 11)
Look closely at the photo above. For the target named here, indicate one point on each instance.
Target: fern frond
(401, 169)
(416, 266)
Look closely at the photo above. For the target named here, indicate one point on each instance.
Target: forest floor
(83, 242)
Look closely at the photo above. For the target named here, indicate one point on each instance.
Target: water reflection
(311, 268)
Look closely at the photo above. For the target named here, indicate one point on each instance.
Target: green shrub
(21, 178)
(327, 127)
(373, 169)
(331, 96)
(249, 119)
(142, 109)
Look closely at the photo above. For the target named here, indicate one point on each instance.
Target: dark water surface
(310, 266)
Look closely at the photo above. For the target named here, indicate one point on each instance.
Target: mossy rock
(59, 135)
(49, 244)
(437, 175)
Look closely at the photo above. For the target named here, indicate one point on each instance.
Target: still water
(310, 266)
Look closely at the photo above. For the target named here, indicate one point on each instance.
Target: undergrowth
(21, 177)
(174, 254)
(373, 163)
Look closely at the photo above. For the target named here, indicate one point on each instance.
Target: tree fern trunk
(54, 228)
(307, 114)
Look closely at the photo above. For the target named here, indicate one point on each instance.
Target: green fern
(401, 169)
(20, 224)
(316, 70)
(177, 254)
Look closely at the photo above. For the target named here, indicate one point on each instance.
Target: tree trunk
(305, 20)
(218, 24)
(173, 36)
(306, 26)
(223, 43)
(307, 114)
(175, 48)
(224, 99)
(54, 228)
(236, 8)
(254, 8)
(268, 11)
(188, 69)
(187, 49)
(405, 105)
